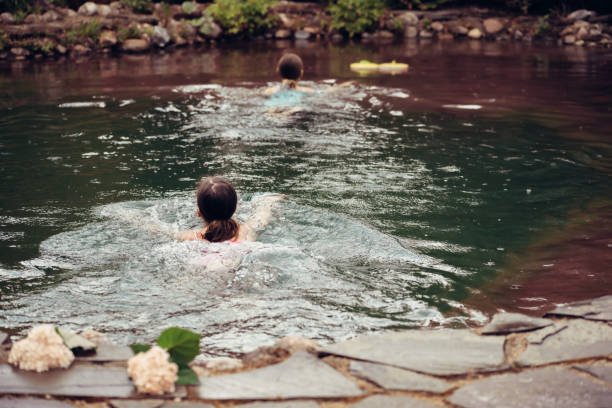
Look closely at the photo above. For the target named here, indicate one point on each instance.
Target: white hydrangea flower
(41, 350)
(152, 371)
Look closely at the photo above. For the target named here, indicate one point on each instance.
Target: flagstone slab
(398, 379)
(32, 403)
(108, 352)
(387, 401)
(301, 376)
(603, 372)
(437, 352)
(504, 323)
(581, 339)
(137, 403)
(81, 381)
(595, 309)
(285, 404)
(545, 387)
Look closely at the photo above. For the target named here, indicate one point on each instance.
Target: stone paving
(564, 360)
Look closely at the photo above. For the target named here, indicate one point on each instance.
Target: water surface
(478, 181)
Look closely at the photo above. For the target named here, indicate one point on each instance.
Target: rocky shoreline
(562, 360)
(116, 28)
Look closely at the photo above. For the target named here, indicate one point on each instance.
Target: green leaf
(74, 341)
(188, 7)
(139, 348)
(186, 376)
(183, 345)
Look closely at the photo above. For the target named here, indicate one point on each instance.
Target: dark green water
(409, 197)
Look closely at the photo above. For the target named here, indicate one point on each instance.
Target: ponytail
(221, 230)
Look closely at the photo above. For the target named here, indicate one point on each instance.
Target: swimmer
(216, 203)
(291, 68)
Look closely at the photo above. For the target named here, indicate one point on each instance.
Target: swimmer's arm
(342, 85)
(261, 215)
(271, 90)
(304, 89)
(189, 235)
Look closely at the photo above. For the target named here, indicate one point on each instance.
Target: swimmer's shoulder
(189, 235)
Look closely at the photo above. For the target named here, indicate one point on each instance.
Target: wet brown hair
(290, 66)
(217, 202)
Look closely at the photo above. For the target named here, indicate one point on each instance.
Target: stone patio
(515, 361)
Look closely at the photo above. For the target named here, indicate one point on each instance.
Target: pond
(478, 181)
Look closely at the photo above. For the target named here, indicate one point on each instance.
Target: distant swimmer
(291, 69)
(216, 202)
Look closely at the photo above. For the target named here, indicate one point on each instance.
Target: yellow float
(364, 66)
(393, 67)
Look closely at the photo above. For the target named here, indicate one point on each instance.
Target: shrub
(243, 16)
(139, 6)
(4, 40)
(543, 27)
(123, 33)
(83, 31)
(355, 16)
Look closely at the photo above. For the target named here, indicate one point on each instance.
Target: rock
(475, 34)
(594, 34)
(518, 34)
(19, 52)
(366, 37)
(580, 339)
(82, 381)
(223, 364)
(411, 32)
(603, 372)
(285, 20)
(301, 376)
(409, 18)
(582, 33)
(79, 50)
(108, 38)
(33, 19)
(459, 30)
(288, 404)
(569, 39)
(397, 379)
(50, 16)
(32, 403)
(293, 344)
(61, 49)
(88, 9)
(160, 36)
(336, 37)
(546, 387)
(567, 30)
(282, 34)
(504, 323)
(445, 36)
(581, 14)
(135, 45)
(383, 35)
(104, 10)
(595, 309)
(70, 13)
(437, 26)
(212, 30)
(425, 34)
(396, 401)
(7, 18)
(436, 352)
(302, 35)
(492, 26)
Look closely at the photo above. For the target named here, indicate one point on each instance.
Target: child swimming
(291, 69)
(216, 203)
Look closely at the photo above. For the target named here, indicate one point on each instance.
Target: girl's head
(290, 67)
(217, 202)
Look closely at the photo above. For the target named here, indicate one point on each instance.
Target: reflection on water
(410, 197)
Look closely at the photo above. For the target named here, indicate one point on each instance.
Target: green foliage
(139, 348)
(355, 16)
(243, 16)
(426, 23)
(189, 7)
(139, 6)
(204, 24)
(543, 27)
(84, 31)
(4, 40)
(16, 5)
(182, 345)
(522, 5)
(424, 4)
(123, 33)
